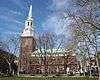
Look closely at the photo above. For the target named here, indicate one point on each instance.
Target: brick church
(32, 63)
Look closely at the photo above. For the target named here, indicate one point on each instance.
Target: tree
(3, 63)
(85, 24)
(49, 44)
(11, 45)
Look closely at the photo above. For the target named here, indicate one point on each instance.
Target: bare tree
(49, 44)
(85, 24)
(12, 46)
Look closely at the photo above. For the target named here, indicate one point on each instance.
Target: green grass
(48, 78)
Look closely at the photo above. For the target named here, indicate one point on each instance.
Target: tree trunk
(90, 71)
(98, 67)
(10, 70)
(9, 66)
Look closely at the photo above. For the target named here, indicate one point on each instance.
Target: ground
(48, 78)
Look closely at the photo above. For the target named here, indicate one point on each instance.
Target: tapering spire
(28, 31)
(30, 12)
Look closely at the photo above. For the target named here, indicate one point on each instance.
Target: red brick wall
(27, 46)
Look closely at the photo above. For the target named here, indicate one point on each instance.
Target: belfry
(28, 31)
(27, 43)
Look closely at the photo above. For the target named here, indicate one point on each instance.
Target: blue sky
(47, 16)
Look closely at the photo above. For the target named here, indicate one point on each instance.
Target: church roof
(53, 52)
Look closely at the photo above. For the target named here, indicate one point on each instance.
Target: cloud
(10, 16)
(21, 4)
(56, 24)
(59, 5)
(18, 3)
(14, 12)
(8, 12)
(11, 22)
(11, 33)
(9, 19)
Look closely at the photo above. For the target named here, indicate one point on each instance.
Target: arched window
(28, 23)
(31, 23)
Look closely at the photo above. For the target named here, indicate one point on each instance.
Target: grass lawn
(48, 78)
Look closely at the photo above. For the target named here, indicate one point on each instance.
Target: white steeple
(28, 31)
(30, 13)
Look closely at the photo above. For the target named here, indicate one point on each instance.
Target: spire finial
(30, 2)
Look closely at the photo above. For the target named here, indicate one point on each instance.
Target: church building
(30, 62)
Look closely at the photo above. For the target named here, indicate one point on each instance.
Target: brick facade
(53, 64)
(27, 47)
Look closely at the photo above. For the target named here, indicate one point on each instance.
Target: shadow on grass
(47, 78)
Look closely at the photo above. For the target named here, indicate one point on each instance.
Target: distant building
(54, 63)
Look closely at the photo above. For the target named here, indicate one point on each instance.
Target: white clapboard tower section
(28, 43)
(28, 31)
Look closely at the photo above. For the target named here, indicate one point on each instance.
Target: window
(31, 23)
(28, 23)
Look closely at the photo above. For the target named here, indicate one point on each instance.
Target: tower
(27, 43)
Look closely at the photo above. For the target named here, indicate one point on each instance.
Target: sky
(47, 15)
